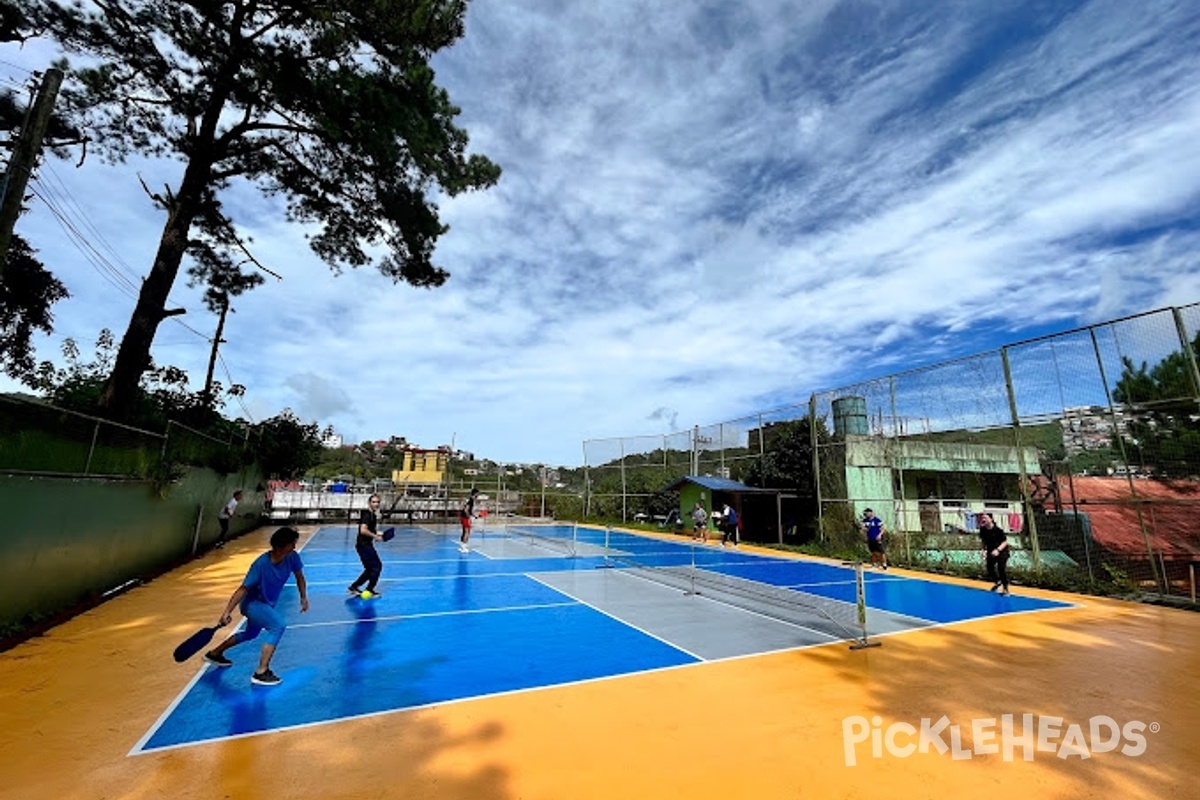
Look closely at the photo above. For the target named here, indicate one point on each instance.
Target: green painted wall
(64, 540)
(689, 495)
(871, 487)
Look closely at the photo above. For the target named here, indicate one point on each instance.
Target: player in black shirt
(364, 544)
(465, 514)
(995, 551)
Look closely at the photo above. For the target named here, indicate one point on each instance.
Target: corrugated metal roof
(719, 485)
(1168, 510)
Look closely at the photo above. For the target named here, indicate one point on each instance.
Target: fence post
(87, 467)
(624, 509)
(196, 532)
(1188, 355)
(724, 471)
(898, 460)
(1137, 506)
(587, 484)
(1026, 500)
(162, 455)
(816, 461)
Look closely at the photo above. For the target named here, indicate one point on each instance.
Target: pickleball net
(840, 619)
(544, 532)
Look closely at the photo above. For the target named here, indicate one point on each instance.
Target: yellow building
(422, 466)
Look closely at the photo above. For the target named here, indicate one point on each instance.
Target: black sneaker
(376, 593)
(267, 678)
(996, 588)
(217, 660)
(353, 589)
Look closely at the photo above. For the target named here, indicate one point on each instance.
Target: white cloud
(707, 208)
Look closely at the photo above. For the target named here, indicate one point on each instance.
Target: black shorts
(875, 545)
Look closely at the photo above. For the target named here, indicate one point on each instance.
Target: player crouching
(256, 599)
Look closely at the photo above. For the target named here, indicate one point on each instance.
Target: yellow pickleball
(366, 594)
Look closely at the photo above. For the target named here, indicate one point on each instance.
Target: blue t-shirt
(264, 581)
(874, 527)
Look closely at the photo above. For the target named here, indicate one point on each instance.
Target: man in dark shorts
(874, 528)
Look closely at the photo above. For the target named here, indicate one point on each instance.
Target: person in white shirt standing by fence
(225, 515)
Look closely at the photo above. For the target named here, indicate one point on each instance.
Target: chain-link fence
(38, 438)
(1083, 446)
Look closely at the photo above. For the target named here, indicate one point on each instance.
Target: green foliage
(331, 106)
(27, 291)
(287, 448)
(1045, 437)
(564, 506)
(1094, 462)
(787, 461)
(1162, 431)
(162, 395)
(644, 491)
(334, 462)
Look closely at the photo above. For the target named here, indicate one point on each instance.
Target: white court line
(430, 614)
(434, 704)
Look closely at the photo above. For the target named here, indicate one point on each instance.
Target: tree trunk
(133, 358)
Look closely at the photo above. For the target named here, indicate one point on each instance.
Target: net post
(860, 593)
(607, 557)
(692, 572)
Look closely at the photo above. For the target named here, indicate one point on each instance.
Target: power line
(229, 375)
(117, 276)
(17, 66)
(70, 200)
(98, 260)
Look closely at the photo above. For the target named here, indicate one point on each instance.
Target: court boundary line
(139, 748)
(473, 698)
(428, 615)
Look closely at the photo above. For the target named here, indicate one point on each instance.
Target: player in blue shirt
(874, 528)
(256, 598)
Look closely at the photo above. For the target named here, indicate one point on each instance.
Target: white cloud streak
(706, 208)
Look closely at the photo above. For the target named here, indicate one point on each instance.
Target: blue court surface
(520, 612)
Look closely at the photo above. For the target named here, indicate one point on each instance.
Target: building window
(954, 491)
(995, 490)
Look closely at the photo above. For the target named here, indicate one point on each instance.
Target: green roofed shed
(759, 510)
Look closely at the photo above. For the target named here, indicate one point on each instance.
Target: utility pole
(212, 359)
(24, 157)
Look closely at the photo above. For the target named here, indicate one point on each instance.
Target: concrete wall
(66, 539)
(938, 456)
(871, 487)
(870, 462)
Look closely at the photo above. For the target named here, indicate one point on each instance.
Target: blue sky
(707, 210)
